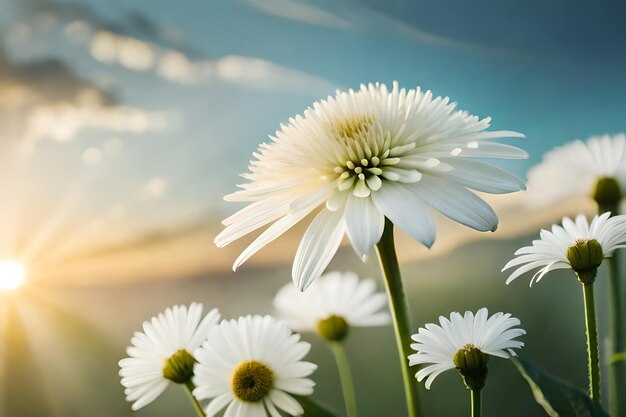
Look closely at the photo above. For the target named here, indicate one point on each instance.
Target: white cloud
(62, 121)
(79, 31)
(129, 52)
(175, 66)
(92, 156)
(351, 16)
(260, 74)
(300, 12)
(156, 188)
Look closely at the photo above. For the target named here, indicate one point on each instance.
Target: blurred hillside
(62, 344)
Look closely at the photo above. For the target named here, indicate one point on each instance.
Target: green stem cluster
(400, 313)
(345, 376)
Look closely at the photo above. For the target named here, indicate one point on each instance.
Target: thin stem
(400, 313)
(196, 405)
(593, 358)
(617, 369)
(475, 398)
(345, 376)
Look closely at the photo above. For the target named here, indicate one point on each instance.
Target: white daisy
(362, 156)
(465, 343)
(575, 245)
(162, 352)
(575, 168)
(250, 366)
(334, 298)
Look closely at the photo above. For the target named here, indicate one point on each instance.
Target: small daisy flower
(362, 156)
(575, 245)
(250, 366)
(595, 168)
(465, 343)
(332, 304)
(162, 352)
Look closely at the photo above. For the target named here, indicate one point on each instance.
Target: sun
(12, 275)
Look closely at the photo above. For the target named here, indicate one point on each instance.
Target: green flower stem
(475, 401)
(196, 405)
(617, 369)
(345, 376)
(593, 357)
(400, 313)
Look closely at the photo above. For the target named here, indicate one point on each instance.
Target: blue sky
(552, 71)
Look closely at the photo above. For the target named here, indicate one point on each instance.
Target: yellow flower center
(352, 128)
(251, 381)
(366, 156)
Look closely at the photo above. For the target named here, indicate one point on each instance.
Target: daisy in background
(465, 343)
(335, 297)
(332, 304)
(576, 245)
(363, 161)
(595, 169)
(162, 353)
(580, 247)
(250, 367)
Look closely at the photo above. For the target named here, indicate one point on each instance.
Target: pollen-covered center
(366, 156)
(251, 381)
(352, 128)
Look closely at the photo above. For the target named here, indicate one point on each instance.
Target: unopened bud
(179, 367)
(333, 328)
(472, 364)
(585, 256)
(607, 192)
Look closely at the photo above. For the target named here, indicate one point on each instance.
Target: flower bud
(333, 328)
(179, 367)
(607, 192)
(472, 364)
(585, 256)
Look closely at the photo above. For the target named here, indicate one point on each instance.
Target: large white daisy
(575, 168)
(334, 297)
(461, 340)
(250, 366)
(362, 156)
(162, 353)
(575, 245)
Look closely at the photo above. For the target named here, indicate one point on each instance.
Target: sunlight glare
(12, 275)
